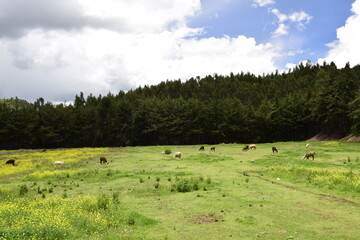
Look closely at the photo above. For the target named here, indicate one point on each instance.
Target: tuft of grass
(23, 190)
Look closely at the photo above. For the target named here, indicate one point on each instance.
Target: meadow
(144, 194)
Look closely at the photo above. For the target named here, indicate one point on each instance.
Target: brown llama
(103, 160)
(274, 150)
(309, 154)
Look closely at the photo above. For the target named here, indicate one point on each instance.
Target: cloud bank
(346, 48)
(55, 49)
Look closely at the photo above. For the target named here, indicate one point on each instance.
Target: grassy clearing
(143, 194)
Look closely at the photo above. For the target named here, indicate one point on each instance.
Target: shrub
(103, 202)
(23, 190)
(116, 197)
(167, 151)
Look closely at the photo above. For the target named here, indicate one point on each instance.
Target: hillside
(241, 108)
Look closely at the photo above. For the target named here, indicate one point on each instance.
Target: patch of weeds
(141, 180)
(23, 190)
(167, 151)
(135, 218)
(109, 173)
(208, 180)
(190, 184)
(158, 179)
(247, 220)
(157, 185)
(103, 202)
(115, 197)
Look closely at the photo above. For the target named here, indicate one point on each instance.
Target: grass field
(143, 194)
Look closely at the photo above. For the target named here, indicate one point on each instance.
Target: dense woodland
(243, 108)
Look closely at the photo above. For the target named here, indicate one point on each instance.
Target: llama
(309, 154)
(59, 163)
(245, 148)
(202, 148)
(274, 150)
(11, 161)
(177, 155)
(103, 160)
(252, 146)
(212, 149)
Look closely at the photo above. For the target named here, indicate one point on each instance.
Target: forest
(239, 108)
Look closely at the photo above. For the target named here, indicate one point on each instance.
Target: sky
(56, 49)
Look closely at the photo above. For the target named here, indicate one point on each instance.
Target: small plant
(167, 151)
(142, 180)
(39, 190)
(196, 186)
(67, 175)
(64, 195)
(115, 197)
(158, 179)
(103, 202)
(157, 185)
(131, 221)
(348, 159)
(247, 180)
(43, 195)
(23, 190)
(208, 180)
(51, 190)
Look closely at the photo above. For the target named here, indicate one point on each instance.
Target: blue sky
(233, 18)
(57, 49)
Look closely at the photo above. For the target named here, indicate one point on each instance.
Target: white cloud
(262, 3)
(154, 44)
(299, 19)
(346, 48)
(281, 30)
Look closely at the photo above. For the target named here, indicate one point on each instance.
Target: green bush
(103, 202)
(23, 190)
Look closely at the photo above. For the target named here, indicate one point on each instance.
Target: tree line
(292, 106)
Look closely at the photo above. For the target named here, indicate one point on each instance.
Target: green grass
(143, 194)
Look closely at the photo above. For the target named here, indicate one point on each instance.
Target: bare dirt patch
(353, 139)
(204, 219)
(326, 137)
